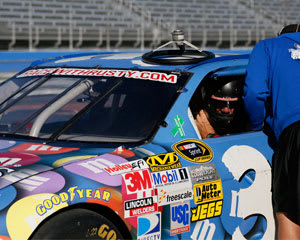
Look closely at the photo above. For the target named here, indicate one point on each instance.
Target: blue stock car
(104, 146)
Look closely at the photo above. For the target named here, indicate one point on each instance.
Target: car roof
(125, 59)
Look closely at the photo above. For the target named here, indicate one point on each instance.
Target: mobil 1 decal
(193, 150)
(180, 217)
(138, 193)
(165, 161)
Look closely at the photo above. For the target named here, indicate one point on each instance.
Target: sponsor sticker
(178, 129)
(171, 177)
(207, 192)
(180, 218)
(163, 161)
(144, 75)
(149, 227)
(138, 193)
(205, 172)
(193, 150)
(170, 195)
(206, 210)
(135, 165)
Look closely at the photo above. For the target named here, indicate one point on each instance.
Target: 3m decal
(193, 150)
(145, 75)
(40, 149)
(178, 127)
(206, 192)
(12, 160)
(180, 218)
(149, 227)
(207, 210)
(138, 181)
(135, 165)
(205, 172)
(163, 161)
(169, 195)
(69, 196)
(170, 177)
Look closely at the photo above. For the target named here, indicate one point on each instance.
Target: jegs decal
(193, 150)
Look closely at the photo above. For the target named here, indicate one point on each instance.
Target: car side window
(217, 107)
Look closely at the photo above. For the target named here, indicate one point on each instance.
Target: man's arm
(256, 88)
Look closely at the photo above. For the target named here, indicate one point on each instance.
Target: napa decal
(180, 218)
(193, 150)
(206, 211)
(144, 75)
(149, 227)
(70, 196)
(206, 192)
(163, 161)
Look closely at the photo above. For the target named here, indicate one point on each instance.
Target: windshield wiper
(47, 77)
(69, 123)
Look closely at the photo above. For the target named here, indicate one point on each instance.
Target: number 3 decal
(256, 199)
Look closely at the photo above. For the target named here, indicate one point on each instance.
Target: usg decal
(206, 192)
(149, 227)
(164, 161)
(180, 218)
(193, 150)
(207, 210)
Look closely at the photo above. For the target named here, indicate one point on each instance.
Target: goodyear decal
(145, 75)
(165, 161)
(207, 192)
(70, 195)
(193, 150)
(207, 210)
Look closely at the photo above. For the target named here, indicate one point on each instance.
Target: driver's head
(224, 106)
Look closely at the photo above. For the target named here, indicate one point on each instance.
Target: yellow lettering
(97, 194)
(40, 209)
(102, 231)
(88, 193)
(80, 192)
(106, 195)
(64, 197)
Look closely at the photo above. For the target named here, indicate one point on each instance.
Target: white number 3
(256, 199)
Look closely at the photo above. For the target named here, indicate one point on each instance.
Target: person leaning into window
(271, 97)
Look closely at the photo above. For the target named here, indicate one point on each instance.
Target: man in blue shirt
(272, 97)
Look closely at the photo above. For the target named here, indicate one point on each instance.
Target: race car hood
(21, 160)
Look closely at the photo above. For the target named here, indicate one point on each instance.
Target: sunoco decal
(145, 75)
(163, 161)
(194, 151)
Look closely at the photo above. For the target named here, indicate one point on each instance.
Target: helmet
(223, 102)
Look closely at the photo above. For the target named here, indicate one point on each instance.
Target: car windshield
(88, 105)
